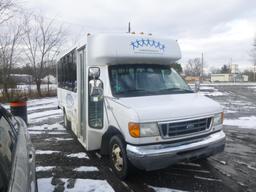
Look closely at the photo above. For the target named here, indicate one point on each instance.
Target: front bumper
(152, 157)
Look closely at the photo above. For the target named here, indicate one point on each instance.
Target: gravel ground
(64, 165)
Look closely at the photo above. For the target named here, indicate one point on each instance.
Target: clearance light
(141, 33)
(150, 34)
(133, 33)
(134, 129)
(88, 34)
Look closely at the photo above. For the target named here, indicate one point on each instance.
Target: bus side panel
(68, 102)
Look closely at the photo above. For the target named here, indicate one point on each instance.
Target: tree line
(26, 37)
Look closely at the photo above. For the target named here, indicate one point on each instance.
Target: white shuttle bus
(120, 95)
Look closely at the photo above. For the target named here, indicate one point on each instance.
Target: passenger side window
(66, 73)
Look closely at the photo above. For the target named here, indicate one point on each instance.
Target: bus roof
(104, 49)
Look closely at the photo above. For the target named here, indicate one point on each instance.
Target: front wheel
(118, 158)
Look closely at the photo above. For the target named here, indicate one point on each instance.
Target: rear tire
(67, 123)
(118, 158)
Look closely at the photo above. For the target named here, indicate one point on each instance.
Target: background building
(220, 77)
(229, 77)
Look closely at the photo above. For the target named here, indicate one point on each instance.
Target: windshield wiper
(132, 91)
(177, 89)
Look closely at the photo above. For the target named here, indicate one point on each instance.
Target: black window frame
(67, 71)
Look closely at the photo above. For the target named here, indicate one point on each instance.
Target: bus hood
(171, 107)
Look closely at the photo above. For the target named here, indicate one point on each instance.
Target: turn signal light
(134, 129)
(222, 117)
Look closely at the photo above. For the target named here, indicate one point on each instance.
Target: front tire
(118, 158)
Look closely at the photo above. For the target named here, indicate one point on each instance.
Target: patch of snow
(251, 167)
(162, 189)
(88, 185)
(98, 155)
(45, 113)
(59, 139)
(38, 120)
(228, 83)
(190, 164)
(125, 184)
(207, 178)
(216, 93)
(45, 152)
(229, 111)
(6, 106)
(47, 127)
(252, 88)
(44, 185)
(247, 165)
(36, 107)
(44, 101)
(207, 88)
(80, 155)
(241, 183)
(242, 122)
(81, 185)
(46, 132)
(223, 172)
(27, 88)
(86, 169)
(193, 170)
(223, 162)
(44, 168)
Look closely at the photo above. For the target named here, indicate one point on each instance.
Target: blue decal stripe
(148, 43)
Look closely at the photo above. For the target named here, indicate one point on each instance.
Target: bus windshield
(132, 80)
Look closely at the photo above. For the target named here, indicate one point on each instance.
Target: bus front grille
(177, 129)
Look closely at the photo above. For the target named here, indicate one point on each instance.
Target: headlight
(143, 129)
(218, 119)
(149, 130)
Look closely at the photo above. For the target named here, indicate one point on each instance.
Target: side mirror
(197, 86)
(96, 90)
(94, 72)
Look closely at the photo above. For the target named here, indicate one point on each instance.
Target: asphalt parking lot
(64, 165)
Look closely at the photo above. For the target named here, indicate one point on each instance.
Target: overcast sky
(221, 29)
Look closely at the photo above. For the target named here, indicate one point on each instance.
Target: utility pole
(232, 70)
(202, 72)
(129, 27)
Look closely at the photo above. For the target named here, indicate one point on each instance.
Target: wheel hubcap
(117, 157)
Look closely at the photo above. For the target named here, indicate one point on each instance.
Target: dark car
(17, 155)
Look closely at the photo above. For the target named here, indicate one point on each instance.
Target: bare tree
(8, 53)
(42, 41)
(194, 67)
(6, 7)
